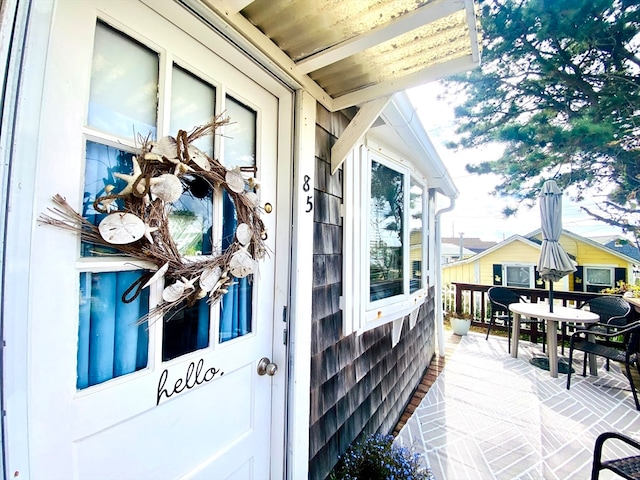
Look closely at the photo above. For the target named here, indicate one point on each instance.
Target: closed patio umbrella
(554, 263)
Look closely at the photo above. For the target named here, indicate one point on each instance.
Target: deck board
(491, 416)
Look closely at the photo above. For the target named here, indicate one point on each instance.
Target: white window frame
(611, 268)
(360, 314)
(532, 274)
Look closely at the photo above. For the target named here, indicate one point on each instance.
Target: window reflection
(240, 150)
(101, 162)
(415, 236)
(193, 103)
(518, 276)
(386, 213)
(124, 85)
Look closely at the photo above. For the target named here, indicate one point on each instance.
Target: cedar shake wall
(359, 384)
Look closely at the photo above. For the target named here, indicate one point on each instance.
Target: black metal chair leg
(569, 372)
(633, 387)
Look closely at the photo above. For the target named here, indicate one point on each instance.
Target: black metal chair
(500, 298)
(626, 354)
(627, 467)
(613, 312)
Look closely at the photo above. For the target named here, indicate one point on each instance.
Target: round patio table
(559, 314)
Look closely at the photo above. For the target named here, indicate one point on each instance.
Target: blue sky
(477, 213)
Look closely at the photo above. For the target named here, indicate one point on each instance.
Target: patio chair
(627, 354)
(613, 311)
(626, 467)
(500, 298)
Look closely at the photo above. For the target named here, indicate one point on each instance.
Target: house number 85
(306, 188)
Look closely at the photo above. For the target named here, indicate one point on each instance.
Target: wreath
(162, 171)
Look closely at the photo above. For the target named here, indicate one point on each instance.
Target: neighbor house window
(518, 276)
(598, 278)
(385, 239)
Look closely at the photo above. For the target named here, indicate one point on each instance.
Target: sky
(477, 213)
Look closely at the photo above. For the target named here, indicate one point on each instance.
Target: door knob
(266, 367)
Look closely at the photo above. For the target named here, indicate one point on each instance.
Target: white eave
(401, 130)
(350, 52)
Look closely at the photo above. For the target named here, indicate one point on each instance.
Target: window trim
(360, 314)
(532, 274)
(612, 271)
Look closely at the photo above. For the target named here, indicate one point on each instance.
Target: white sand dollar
(235, 181)
(241, 264)
(166, 187)
(244, 234)
(209, 277)
(121, 228)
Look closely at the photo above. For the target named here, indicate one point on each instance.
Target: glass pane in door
(191, 217)
(112, 341)
(101, 162)
(185, 330)
(240, 150)
(124, 85)
(193, 103)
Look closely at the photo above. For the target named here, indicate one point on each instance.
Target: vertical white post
(301, 286)
(438, 266)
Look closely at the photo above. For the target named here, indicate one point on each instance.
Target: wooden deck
(431, 375)
(491, 416)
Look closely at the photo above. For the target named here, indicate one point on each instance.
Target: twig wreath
(141, 229)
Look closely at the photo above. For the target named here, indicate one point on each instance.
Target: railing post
(458, 300)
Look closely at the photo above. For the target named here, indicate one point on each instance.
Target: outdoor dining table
(559, 314)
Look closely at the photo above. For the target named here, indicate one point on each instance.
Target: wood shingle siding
(359, 383)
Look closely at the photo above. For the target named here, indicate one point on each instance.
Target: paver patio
(491, 416)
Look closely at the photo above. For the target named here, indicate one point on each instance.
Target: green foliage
(377, 458)
(559, 85)
(624, 288)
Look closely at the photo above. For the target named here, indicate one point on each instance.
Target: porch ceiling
(348, 52)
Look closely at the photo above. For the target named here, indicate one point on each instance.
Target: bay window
(384, 238)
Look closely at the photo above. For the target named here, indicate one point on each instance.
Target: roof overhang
(349, 52)
(400, 129)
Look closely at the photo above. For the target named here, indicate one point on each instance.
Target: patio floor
(491, 416)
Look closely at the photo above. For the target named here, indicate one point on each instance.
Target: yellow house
(513, 261)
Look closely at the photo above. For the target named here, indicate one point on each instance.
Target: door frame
(20, 150)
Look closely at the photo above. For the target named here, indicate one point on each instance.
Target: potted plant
(377, 458)
(626, 289)
(460, 324)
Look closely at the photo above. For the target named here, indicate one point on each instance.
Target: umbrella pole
(551, 296)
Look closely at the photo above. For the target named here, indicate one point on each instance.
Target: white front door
(172, 398)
